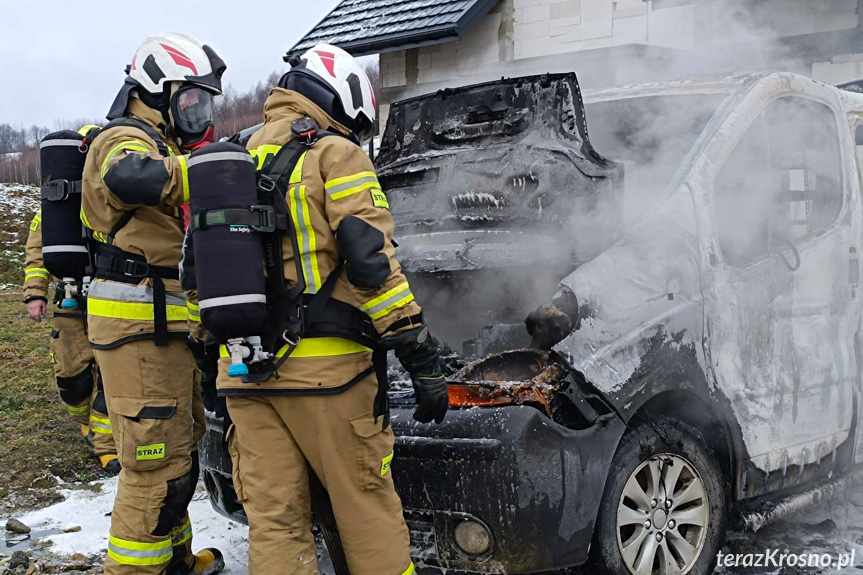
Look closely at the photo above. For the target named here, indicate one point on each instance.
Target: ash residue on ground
(834, 527)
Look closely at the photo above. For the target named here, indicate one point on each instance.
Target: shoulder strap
(131, 123)
(121, 223)
(274, 177)
(287, 309)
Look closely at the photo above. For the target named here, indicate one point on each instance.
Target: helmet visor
(192, 110)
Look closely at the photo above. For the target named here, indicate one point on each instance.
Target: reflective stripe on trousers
(138, 553)
(182, 533)
(80, 410)
(100, 425)
(194, 311)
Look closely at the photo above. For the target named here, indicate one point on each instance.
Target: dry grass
(39, 440)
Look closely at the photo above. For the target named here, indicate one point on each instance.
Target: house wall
(620, 41)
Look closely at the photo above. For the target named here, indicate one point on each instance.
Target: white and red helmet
(178, 76)
(341, 76)
(172, 57)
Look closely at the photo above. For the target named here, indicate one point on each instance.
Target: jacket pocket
(234, 451)
(374, 449)
(145, 430)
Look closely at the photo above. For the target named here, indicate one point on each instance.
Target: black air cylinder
(64, 248)
(229, 259)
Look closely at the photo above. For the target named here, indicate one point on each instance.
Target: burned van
(697, 360)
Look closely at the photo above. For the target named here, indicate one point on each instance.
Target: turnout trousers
(79, 380)
(273, 443)
(154, 398)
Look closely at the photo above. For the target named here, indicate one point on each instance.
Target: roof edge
(402, 41)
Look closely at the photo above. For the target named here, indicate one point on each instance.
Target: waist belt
(338, 319)
(117, 265)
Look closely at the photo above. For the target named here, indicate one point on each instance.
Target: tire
(650, 455)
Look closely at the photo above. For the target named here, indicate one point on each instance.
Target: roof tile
(367, 26)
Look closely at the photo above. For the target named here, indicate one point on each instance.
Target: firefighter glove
(418, 353)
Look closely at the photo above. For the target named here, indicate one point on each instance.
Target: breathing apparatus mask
(192, 115)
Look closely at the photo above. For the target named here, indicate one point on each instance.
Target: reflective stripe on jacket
(36, 277)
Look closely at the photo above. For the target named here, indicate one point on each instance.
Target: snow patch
(90, 506)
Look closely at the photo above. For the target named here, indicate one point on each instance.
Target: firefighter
(74, 364)
(325, 407)
(135, 182)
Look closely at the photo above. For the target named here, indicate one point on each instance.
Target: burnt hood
(497, 176)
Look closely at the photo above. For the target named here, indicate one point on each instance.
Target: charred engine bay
(531, 377)
(497, 194)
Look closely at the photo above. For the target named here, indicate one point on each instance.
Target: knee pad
(177, 500)
(77, 389)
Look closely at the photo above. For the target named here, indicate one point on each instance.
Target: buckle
(308, 137)
(131, 267)
(57, 190)
(268, 219)
(266, 183)
(368, 330)
(306, 129)
(291, 338)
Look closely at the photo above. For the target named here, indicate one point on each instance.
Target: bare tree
(19, 153)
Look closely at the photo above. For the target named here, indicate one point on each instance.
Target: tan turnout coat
(334, 180)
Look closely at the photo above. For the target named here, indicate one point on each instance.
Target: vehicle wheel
(665, 506)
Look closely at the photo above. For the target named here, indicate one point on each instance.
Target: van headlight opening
(472, 537)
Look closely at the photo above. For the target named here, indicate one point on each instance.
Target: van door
(781, 338)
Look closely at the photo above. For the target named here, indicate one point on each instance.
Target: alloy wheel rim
(662, 517)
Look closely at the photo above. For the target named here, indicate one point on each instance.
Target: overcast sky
(64, 59)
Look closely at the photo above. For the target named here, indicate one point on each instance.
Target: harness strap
(59, 190)
(114, 264)
(130, 268)
(315, 315)
(382, 398)
(131, 123)
(286, 308)
(121, 223)
(260, 218)
(313, 312)
(151, 132)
